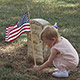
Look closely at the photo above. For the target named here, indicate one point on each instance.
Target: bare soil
(15, 55)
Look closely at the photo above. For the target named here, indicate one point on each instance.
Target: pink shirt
(67, 57)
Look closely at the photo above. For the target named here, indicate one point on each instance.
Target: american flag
(13, 32)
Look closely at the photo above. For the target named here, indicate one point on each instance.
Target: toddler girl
(62, 54)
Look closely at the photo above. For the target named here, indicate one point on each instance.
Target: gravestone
(41, 51)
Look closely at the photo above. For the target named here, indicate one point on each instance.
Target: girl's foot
(61, 73)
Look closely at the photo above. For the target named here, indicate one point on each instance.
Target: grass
(9, 74)
(65, 12)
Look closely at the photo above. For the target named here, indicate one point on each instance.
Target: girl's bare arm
(50, 59)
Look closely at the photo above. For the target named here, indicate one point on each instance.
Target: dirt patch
(14, 55)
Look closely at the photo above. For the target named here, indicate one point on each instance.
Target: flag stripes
(16, 32)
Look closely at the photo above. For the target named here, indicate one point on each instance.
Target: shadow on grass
(8, 74)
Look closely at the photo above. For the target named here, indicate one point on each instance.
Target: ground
(14, 56)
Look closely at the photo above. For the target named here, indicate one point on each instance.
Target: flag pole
(32, 38)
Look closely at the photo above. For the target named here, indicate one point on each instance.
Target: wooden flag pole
(32, 38)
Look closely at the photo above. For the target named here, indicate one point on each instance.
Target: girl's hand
(36, 68)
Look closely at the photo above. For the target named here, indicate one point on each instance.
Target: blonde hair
(49, 32)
